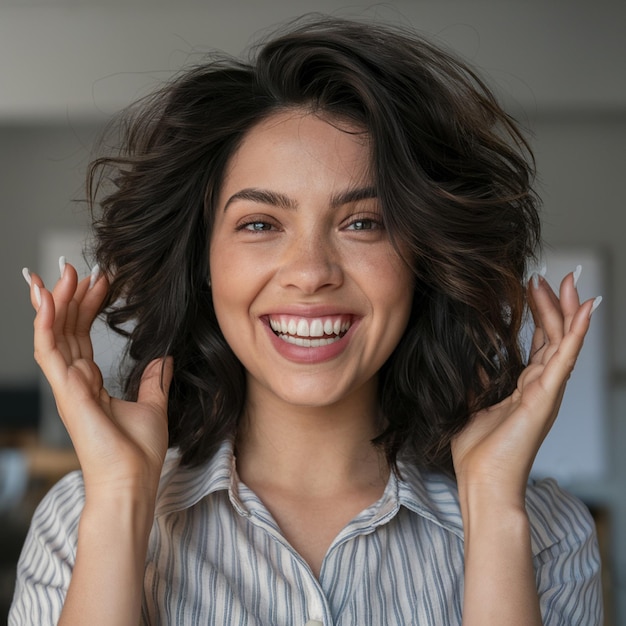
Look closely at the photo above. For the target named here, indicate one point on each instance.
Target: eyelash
(249, 225)
(374, 224)
(267, 225)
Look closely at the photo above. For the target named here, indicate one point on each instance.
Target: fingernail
(95, 274)
(26, 275)
(543, 270)
(37, 294)
(595, 305)
(61, 265)
(535, 280)
(577, 271)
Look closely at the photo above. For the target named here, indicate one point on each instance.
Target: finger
(95, 289)
(561, 363)
(35, 284)
(546, 310)
(538, 340)
(568, 302)
(542, 397)
(52, 361)
(68, 329)
(569, 298)
(80, 311)
(155, 383)
(67, 311)
(539, 291)
(537, 343)
(63, 293)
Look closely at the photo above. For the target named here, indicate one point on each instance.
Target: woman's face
(307, 288)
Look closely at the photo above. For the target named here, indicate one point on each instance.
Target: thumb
(155, 382)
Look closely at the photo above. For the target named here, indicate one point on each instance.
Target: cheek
(236, 281)
(231, 315)
(229, 300)
(398, 296)
(228, 271)
(393, 279)
(226, 289)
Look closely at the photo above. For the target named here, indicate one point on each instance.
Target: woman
(322, 255)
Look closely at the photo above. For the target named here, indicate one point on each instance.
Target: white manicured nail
(37, 294)
(535, 280)
(596, 304)
(61, 265)
(543, 270)
(95, 274)
(577, 271)
(26, 275)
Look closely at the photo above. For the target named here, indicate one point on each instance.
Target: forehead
(299, 143)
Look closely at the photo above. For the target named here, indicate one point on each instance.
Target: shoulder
(557, 518)
(45, 565)
(57, 515)
(59, 511)
(566, 552)
(566, 555)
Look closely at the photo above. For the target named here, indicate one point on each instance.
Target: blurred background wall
(560, 67)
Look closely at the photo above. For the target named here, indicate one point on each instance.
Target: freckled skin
(283, 244)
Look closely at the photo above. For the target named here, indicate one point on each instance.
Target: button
(314, 622)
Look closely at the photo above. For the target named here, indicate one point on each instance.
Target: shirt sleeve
(45, 566)
(566, 557)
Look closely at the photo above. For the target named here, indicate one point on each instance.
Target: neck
(311, 449)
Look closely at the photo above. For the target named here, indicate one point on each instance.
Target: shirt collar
(181, 487)
(431, 495)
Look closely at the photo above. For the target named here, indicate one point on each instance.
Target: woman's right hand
(120, 445)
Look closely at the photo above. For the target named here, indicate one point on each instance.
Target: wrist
(108, 574)
(125, 486)
(490, 506)
(130, 513)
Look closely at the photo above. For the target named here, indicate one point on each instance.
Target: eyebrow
(353, 195)
(274, 198)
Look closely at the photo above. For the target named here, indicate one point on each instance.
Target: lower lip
(300, 354)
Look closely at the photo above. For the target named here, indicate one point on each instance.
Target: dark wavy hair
(453, 175)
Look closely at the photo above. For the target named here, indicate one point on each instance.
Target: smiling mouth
(310, 332)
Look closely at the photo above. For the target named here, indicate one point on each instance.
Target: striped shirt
(217, 557)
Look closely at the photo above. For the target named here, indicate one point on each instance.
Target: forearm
(107, 581)
(500, 585)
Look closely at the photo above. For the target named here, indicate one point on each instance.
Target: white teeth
(316, 329)
(303, 328)
(297, 330)
(308, 343)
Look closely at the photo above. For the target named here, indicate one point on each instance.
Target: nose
(311, 264)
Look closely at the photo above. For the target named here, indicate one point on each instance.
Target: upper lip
(310, 311)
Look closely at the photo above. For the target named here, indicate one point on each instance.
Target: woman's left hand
(496, 450)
